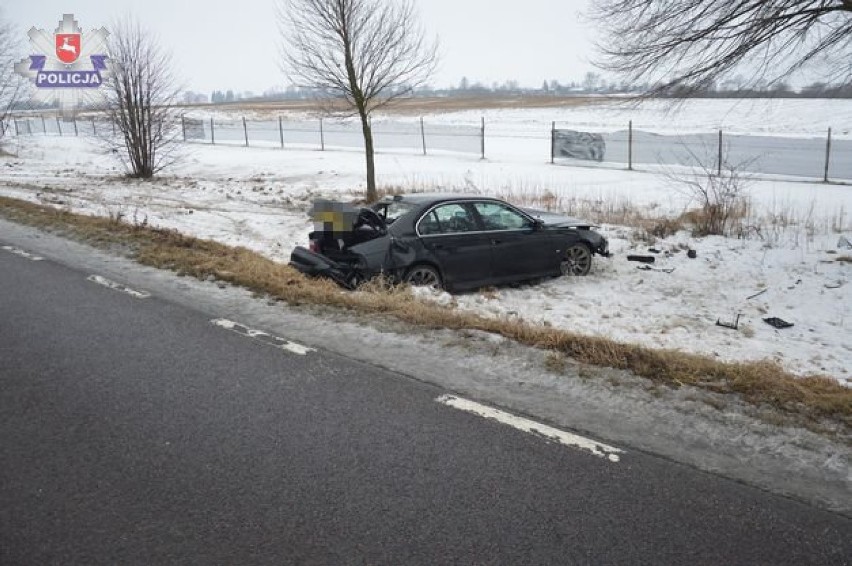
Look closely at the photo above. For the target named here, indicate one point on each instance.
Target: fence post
(15, 122)
(29, 127)
(76, 132)
(483, 137)
(183, 126)
(43, 124)
(59, 125)
(553, 142)
(719, 165)
(212, 133)
(281, 131)
(827, 155)
(94, 128)
(630, 145)
(245, 130)
(322, 137)
(112, 121)
(423, 135)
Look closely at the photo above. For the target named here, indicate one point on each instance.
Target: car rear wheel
(353, 281)
(577, 260)
(423, 276)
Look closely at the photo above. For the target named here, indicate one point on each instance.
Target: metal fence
(822, 158)
(814, 158)
(57, 126)
(335, 134)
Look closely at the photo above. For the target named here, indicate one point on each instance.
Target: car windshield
(393, 210)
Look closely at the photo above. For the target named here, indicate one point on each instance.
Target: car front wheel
(577, 260)
(423, 276)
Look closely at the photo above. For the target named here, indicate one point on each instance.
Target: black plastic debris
(692, 254)
(759, 293)
(641, 258)
(777, 322)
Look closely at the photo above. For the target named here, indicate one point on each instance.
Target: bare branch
(689, 44)
(11, 85)
(141, 95)
(363, 53)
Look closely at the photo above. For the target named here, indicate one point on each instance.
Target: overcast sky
(218, 44)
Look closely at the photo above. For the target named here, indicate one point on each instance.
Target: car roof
(425, 198)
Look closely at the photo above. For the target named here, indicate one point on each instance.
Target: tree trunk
(372, 194)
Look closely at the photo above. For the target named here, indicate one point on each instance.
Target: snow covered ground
(258, 198)
(776, 117)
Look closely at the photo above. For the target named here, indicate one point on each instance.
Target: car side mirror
(537, 224)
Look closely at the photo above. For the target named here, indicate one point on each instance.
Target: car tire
(577, 260)
(353, 281)
(423, 275)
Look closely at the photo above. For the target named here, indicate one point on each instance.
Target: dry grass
(761, 383)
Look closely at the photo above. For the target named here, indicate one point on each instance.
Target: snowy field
(259, 198)
(777, 117)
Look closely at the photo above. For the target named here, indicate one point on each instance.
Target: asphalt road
(134, 431)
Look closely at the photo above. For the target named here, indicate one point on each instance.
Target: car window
(453, 218)
(496, 216)
(429, 224)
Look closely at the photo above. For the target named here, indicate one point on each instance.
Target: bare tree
(141, 95)
(11, 85)
(719, 188)
(365, 53)
(685, 45)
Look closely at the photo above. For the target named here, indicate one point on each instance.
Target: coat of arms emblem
(68, 47)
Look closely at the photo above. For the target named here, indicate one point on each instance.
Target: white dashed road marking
(22, 253)
(118, 287)
(262, 336)
(568, 439)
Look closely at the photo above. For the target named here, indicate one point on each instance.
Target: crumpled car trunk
(338, 249)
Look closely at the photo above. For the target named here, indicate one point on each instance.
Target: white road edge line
(262, 336)
(118, 286)
(22, 253)
(568, 439)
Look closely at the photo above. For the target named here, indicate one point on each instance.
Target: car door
(451, 234)
(521, 249)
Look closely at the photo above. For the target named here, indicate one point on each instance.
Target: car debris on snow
(778, 323)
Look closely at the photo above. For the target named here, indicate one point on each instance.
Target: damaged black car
(453, 242)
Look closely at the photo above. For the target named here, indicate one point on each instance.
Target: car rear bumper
(314, 264)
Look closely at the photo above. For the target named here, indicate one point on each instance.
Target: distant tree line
(732, 88)
(592, 84)
(776, 90)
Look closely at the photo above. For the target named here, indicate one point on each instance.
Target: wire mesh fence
(334, 134)
(56, 126)
(822, 158)
(814, 158)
